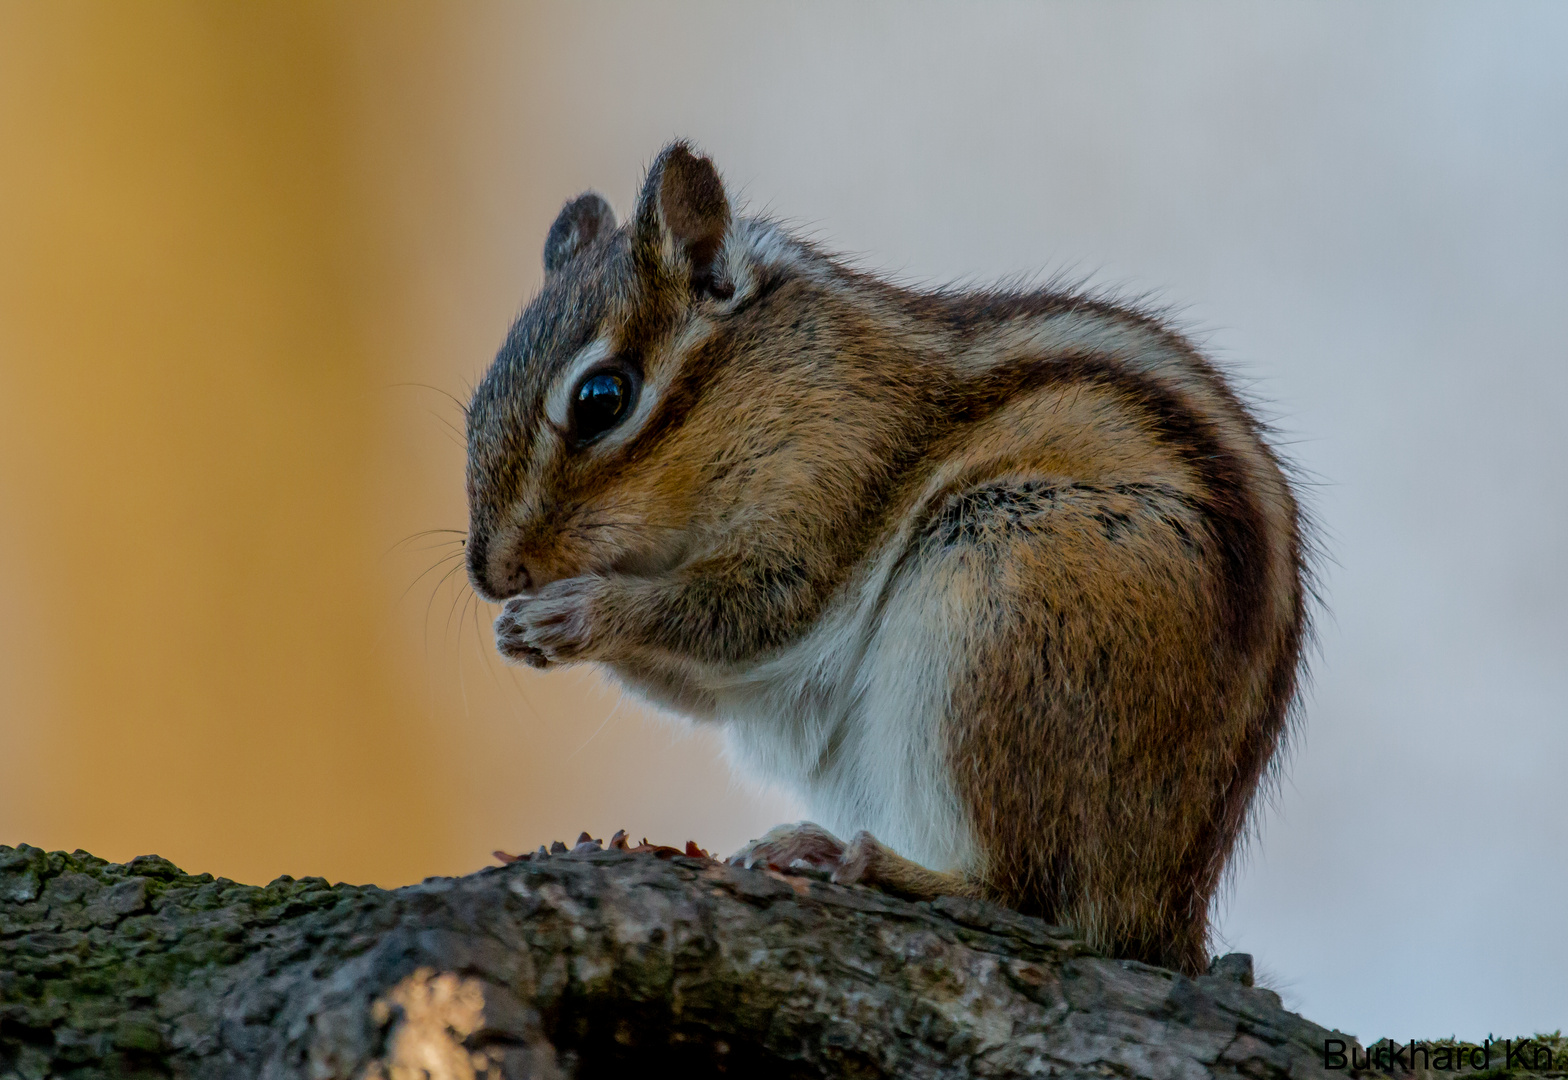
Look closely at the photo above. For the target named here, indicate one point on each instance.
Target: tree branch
(590, 963)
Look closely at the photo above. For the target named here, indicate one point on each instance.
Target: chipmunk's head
(580, 453)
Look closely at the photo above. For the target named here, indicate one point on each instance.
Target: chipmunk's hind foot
(862, 861)
(802, 844)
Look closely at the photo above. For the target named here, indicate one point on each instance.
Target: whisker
(460, 599)
(462, 406)
(461, 534)
(522, 699)
(444, 559)
(458, 435)
(446, 577)
(491, 656)
(441, 545)
(461, 547)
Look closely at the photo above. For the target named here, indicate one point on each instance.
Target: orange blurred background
(245, 262)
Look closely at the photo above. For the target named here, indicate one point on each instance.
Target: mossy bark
(591, 963)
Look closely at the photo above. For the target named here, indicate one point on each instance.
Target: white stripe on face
(558, 401)
(658, 372)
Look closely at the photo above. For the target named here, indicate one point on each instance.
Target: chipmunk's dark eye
(602, 400)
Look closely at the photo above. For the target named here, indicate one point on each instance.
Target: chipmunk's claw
(803, 844)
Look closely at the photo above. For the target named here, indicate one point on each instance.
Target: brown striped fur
(1042, 522)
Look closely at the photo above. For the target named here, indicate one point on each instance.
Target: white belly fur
(851, 719)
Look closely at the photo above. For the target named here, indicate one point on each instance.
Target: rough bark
(589, 963)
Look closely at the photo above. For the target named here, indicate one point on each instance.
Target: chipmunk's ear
(580, 223)
(682, 215)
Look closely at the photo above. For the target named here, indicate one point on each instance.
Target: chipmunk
(1006, 585)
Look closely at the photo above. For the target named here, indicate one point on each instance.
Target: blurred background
(250, 254)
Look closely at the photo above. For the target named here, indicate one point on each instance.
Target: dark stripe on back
(1229, 503)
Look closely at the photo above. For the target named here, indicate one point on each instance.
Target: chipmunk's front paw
(555, 625)
(801, 844)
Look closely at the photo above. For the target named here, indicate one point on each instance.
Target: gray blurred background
(1363, 209)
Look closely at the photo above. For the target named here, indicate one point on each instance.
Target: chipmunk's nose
(494, 571)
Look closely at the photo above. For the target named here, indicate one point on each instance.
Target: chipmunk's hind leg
(1085, 729)
(869, 862)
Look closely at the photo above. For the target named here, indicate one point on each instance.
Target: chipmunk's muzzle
(494, 570)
